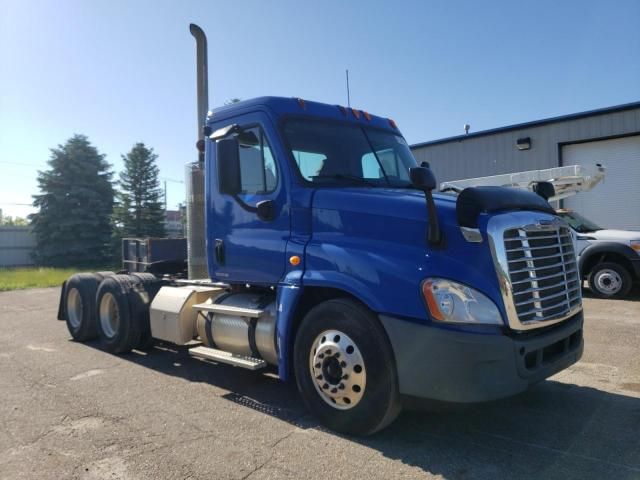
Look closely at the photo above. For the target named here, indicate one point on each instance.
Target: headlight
(454, 302)
(635, 244)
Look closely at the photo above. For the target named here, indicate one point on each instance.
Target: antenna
(348, 93)
(466, 128)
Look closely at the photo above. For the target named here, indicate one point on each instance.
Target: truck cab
(315, 203)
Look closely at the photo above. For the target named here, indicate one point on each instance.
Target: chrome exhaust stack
(202, 81)
(196, 241)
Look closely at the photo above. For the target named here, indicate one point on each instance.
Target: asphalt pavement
(70, 410)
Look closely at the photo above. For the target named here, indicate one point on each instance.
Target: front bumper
(453, 366)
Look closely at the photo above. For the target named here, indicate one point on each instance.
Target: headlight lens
(454, 302)
(635, 244)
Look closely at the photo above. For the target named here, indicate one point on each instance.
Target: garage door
(615, 203)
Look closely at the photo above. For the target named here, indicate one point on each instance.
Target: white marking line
(87, 374)
(37, 348)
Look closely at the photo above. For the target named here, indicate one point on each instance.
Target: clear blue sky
(124, 71)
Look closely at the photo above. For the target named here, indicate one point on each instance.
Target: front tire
(345, 368)
(609, 280)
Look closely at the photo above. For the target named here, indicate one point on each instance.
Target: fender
(286, 302)
(287, 299)
(610, 247)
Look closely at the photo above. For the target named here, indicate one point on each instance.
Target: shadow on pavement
(555, 430)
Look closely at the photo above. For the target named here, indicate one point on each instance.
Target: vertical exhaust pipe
(196, 238)
(202, 80)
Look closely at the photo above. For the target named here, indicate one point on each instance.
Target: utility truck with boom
(609, 260)
(317, 248)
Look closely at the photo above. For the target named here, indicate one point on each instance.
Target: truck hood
(400, 203)
(373, 241)
(614, 235)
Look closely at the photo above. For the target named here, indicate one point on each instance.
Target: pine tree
(140, 210)
(73, 222)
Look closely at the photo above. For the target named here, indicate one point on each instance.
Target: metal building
(609, 136)
(17, 245)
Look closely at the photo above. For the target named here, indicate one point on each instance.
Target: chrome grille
(545, 283)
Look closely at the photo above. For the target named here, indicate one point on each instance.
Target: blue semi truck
(330, 260)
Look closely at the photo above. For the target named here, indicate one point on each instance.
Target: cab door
(249, 229)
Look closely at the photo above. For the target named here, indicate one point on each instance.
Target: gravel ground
(69, 410)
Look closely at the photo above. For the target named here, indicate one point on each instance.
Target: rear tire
(79, 297)
(345, 368)
(610, 280)
(116, 313)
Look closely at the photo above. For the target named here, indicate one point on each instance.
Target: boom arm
(567, 181)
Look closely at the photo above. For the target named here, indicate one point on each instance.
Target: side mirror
(228, 161)
(265, 210)
(422, 178)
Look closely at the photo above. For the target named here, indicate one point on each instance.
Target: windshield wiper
(344, 176)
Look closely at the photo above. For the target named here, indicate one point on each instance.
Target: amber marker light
(356, 113)
(432, 302)
(366, 115)
(294, 260)
(301, 103)
(393, 124)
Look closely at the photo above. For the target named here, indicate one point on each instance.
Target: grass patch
(33, 277)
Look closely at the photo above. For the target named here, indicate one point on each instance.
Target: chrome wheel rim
(608, 281)
(337, 369)
(109, 315)
(74, 308)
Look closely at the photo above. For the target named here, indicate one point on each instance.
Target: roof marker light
(356, 113)
(366, 115)
(302, 104)
(393, 124)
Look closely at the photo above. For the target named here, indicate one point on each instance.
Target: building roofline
(534, 123)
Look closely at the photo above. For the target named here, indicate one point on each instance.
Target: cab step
(250, 363)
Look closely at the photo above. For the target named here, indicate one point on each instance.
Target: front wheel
(345, 368)
(609, 280)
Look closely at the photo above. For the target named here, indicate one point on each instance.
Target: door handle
(219, 251)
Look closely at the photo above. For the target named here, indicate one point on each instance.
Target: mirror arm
(434, 236)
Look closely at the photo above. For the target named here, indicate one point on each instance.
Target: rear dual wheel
(122, 303)
(119, 332)
(79, 304)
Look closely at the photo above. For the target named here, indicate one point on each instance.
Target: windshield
(353, 154)
(579, 223)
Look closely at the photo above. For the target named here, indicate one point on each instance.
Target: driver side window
(258, 172)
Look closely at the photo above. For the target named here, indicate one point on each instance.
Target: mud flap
(62, 306)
